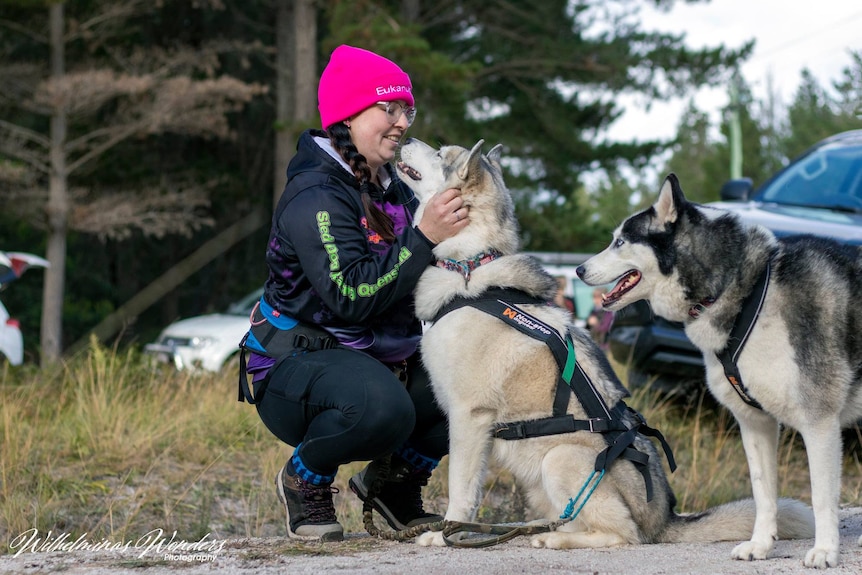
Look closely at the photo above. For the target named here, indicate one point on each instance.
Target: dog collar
(465, 267)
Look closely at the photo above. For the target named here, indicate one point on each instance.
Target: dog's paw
(431, 539)
(751, 551)
(546, 540)
(821, 558)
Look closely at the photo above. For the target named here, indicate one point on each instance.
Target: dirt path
(360, 554)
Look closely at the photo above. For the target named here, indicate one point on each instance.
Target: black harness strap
(501, 304)
(554, 426)
(277, 343)
(245, 391)
(491, 300)
(742, 328)
(513, 296)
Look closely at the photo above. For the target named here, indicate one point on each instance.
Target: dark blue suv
(820, 192)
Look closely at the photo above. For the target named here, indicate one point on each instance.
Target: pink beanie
(355, 79)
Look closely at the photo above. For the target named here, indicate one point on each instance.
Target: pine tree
(84, 93)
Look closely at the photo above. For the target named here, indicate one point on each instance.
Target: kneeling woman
(333, 345)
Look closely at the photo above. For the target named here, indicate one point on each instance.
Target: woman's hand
(444, 216)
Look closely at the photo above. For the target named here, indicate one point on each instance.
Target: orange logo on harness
(511, 314)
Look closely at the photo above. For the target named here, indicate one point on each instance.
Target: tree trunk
(58, 206)
(305, 61)
(410, 10)
(283, 95)
(296, 80)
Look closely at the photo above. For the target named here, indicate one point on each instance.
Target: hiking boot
(309, 509)
(399, 498)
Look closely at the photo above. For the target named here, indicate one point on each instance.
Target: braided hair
(377, 219)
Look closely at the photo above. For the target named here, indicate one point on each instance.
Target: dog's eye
(618, 243)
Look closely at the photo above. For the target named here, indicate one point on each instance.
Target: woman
(600, 320)
(333, 344)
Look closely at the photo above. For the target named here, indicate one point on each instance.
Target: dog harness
(739, 335)
(742, 327)
(502, 304)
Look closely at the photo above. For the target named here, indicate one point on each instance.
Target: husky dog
(800, 362)
(485, 372)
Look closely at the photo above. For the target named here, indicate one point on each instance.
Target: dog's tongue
(626, 283)
(409, 172)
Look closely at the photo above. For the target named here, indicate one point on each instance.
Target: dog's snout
(581, 270)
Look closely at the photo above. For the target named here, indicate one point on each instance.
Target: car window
(829, 177)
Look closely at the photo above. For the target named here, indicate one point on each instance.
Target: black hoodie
(326, 268)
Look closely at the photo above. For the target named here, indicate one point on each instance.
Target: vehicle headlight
(201, 342)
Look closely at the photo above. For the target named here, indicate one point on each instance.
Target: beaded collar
(465, 267)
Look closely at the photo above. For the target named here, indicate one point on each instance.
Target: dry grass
(111, 446)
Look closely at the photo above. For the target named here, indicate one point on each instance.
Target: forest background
(143, 142)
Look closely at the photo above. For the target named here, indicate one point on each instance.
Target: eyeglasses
(395, 109)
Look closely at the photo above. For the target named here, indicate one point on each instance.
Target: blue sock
(305, 473)
(416, 459)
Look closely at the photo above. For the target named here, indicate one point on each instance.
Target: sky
(790, 35)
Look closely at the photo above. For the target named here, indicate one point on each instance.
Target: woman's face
(375, 135)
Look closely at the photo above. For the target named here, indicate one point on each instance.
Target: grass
(111, 446)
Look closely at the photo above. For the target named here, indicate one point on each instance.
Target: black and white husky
(486, 373)
(795, 355)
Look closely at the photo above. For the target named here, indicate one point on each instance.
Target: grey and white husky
(484, 372)
(801, 364)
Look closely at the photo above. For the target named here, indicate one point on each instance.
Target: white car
(11, 340)
(12, 266)
(205, 342)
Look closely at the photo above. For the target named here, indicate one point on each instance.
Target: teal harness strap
(592, 482)
(571, 360)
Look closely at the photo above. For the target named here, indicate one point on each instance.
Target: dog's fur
(484, 371)
(802, 361)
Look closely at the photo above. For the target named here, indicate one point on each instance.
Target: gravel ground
(362, 554)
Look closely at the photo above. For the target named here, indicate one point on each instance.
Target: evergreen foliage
(541, 78)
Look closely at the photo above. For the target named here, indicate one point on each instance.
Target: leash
(502, 531)
(569, 512)
(507, 532)
(449, 528)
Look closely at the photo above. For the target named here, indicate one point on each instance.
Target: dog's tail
(735, 521)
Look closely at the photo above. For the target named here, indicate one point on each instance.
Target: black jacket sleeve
(355, 281)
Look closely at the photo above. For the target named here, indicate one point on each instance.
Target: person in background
(332, 349)
(562, 300)
(600, 320)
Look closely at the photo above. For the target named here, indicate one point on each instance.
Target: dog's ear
(495, 154)
(670, 199)
(475, 153)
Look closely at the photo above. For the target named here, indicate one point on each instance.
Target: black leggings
(343, 406)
